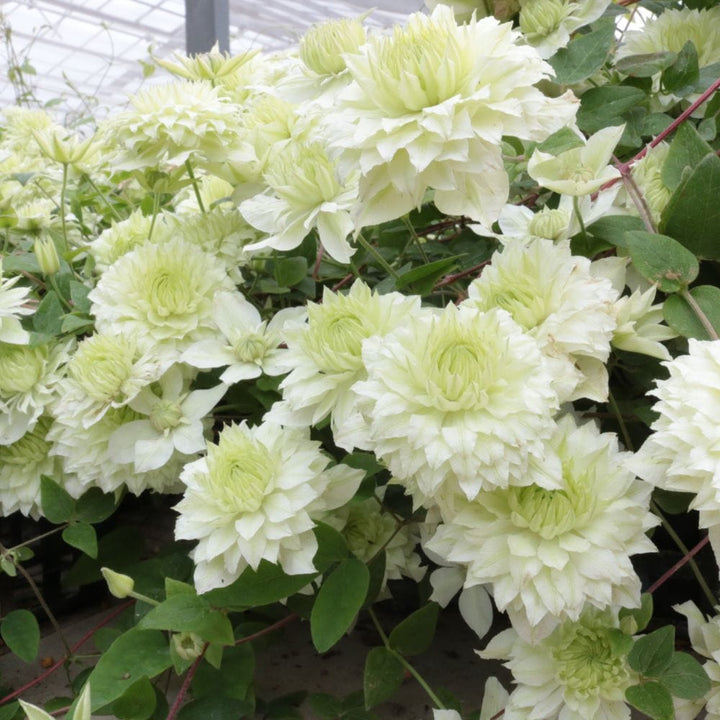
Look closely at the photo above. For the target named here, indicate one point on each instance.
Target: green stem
(415, 239)
(684, 550)
(381, 260)
(621, 421)
(54, 531)
(195, 186)
(63, 190)
(102, 196)
(36, 591)
(421, 681)
(581, 222)
(156, 207)
(54, 286)
(701, 316)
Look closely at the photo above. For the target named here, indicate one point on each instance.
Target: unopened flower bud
(47, 256)
(538, 18)
(323, 45)
(119, 585)
(549, 223)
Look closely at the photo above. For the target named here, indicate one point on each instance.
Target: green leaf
(692, 215)
(189, 613)
(686, 151)
(332, 547)
(620, 643)
(254, 588)
(584, 55)
(645, 65)
(423, 278)
(57, 504)
(651, 654)
(325, 706)
(21, 633)
(176, 587)
(415, 633)
(383, 676)
(137, 702)
(662, 260)
(683, 319)
(338, 602)
(376, 568)
(290, 271)
(134, 655)
(82, 536)
(233, 678)
(652, 699)
(9, 711)
(681, 76)
(72, 323)
(605, 105)
(560, 141)
(612, 228)
(685, 677)
(216, 707)
(79, 297)
(640, 615)
(49, 315)
(94, 506)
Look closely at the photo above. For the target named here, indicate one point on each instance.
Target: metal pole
(206, 22)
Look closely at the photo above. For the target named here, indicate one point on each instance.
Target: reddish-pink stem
(679, 120)
(449, 279)
(186, 684)
(270, 628)
(65, 658)
(686, 558)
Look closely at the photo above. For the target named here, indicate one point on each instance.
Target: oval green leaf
(415, 633)
(652, 699)
(338, 602)
(82, 536)
(651, 654)
(21, 633)
(685, 677)
(383, 676)
(57, 504)
(684, 320)
(662, 260)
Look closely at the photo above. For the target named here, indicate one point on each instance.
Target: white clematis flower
(427, 108)
(324, 357)
(581, 170)
(173, 421)
(554, 296)
(550, 553)
(13, 305)
(245, 343)
(457, 401)
(574, 674)
(256, 496)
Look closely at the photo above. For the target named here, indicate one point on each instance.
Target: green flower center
(240, 471)
(166, 415)
(587, 664)
(251, 348)
(21, 367)
(30, 449)
(581, 174)
(419, 66)
(101, 366)
(335, 335)
(538, 18)
(551, 513)
(304, 176)
(548, 223)
(323, 45)
(367, 529)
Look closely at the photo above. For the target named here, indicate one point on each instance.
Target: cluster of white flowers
(466, 405)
